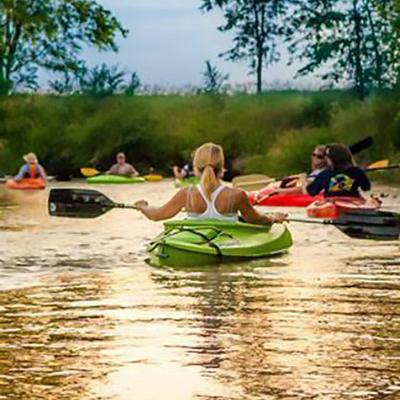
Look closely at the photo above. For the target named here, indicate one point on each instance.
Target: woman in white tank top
(210, 199)
(211, 211)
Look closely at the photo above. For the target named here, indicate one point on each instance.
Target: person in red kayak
(318, 164)
(32, 169)
(295, 184)
(122, 168)
(210, 199)
(341, 178)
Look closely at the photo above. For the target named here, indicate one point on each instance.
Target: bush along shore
(272, 133)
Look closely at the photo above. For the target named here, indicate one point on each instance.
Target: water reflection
(270, 335)
(82, 316)
(50, 345)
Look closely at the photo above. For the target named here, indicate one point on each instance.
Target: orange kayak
(334, 207)
(26, 184)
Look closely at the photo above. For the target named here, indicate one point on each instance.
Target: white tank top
(211, 211)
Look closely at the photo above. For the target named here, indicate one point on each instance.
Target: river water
(82, 316)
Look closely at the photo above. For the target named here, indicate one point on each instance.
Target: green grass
(273, 133)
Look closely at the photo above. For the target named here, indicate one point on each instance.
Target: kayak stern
(197, 243)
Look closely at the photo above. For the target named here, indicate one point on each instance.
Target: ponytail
(208, 164)
(208, 180)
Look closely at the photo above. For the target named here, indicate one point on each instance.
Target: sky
(170, 40)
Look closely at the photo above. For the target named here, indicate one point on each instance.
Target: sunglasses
(319, 156)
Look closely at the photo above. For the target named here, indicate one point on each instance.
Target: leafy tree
(101, 80)
(257, 25)
(133, 85)
(349, 38)
(50, 34)
(213, 79)
(389, 10)
(69, 82)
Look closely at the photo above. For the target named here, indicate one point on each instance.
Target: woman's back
(210, 199)
(222, 205)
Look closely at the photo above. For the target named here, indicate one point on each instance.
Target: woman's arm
(168, 210)
(318, 184)
(177, 172)
(251, 215)
(288, 190)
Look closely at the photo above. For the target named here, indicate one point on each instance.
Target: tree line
(354, 43)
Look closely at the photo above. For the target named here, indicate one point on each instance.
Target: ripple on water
(83, 317)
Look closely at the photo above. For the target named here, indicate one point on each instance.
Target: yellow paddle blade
(379, 164)
(251, 182)
(153, 178)
(85, 171)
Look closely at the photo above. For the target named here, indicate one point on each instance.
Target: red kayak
(26, 184)
(334, 207)
(262, 198)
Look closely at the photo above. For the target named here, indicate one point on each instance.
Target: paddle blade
(153, 178)
(377, 225)
(378, 164)
(88, 172)
(361, 145)
(252, 182)
(78, 203)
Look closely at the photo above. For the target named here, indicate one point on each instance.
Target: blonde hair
(209, 162)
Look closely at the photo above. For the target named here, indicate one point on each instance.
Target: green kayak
(202, 242)
(193, 180)
(114, 179)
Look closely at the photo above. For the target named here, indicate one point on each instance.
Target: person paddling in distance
(210, 199)
(122, 168)
(295, 185)
(31, 169)
(341, 178)
(318, 164)
(186, 171)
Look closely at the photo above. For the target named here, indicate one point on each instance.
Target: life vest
(33, 170)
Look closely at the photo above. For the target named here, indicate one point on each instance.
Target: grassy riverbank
(272, 133)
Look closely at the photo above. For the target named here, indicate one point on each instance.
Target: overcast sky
(169, 41)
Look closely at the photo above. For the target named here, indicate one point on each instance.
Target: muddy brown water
(82, 316)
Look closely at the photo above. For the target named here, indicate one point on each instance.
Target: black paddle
(89, 203)
(378, 225)
(80, 203)
(361, 145)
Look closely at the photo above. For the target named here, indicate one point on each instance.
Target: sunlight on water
(82, 316)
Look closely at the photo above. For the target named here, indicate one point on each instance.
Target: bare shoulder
(182, 193)
(237, 194)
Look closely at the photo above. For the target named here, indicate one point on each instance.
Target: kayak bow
(334, 207)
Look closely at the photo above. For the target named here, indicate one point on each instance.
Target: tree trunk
(378, 56)
(259, 37)
(259, 72)
(359, 72)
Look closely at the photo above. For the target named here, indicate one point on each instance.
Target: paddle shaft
(393, 166)
(319, 222)
(122, 205)
(339, 223)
